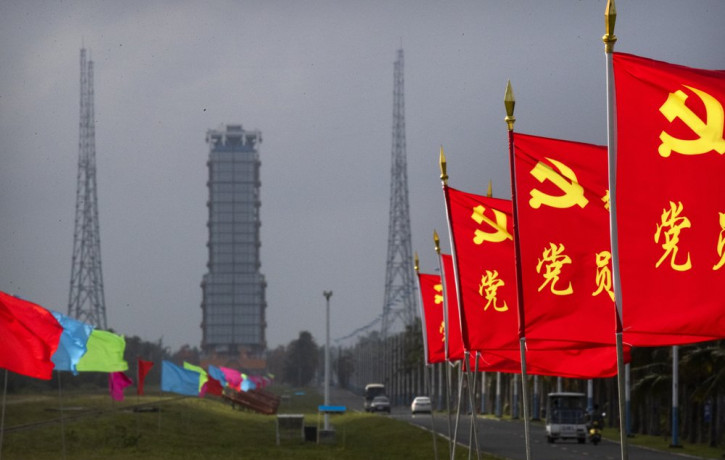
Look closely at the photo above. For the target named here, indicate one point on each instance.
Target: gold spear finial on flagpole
(442, 161)
(509, 102)
(610, 17)
(489, 193)
(437, 242)
(415, 262)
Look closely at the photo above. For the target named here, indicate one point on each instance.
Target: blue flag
(176, 379)
(218, 375)
(73, 342)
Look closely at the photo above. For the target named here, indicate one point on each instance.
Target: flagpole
(446, 363)
(610, 17)
(427, 389)
(472, 402)
(510, 103)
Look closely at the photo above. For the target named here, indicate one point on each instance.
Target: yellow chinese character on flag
(721, 243)
(669, 229)
(553, 260)
(604, 274)
(438, 297)
(490, 282)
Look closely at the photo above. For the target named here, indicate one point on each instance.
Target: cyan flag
(176, 379)
(73, 341)
(218, 375)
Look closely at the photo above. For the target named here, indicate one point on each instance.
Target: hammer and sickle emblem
(710, 132)
(499, 225)
(565, 179)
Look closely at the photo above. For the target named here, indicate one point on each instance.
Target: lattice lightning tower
(399, 302)
(86, 301)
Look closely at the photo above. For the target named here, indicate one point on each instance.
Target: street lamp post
(327, 295)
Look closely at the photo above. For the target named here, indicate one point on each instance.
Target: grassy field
(663, 444)
(95, 427)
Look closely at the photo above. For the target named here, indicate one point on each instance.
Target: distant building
(233, 290)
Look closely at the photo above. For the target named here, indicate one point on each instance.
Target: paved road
(505, 438)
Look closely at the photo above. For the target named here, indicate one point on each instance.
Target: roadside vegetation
(170, 427)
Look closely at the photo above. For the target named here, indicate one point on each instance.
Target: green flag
(105, 353)
(203, 377)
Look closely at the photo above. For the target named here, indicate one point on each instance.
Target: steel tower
(86, 301)
(399, 302)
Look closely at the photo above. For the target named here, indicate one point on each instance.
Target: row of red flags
(549, 279)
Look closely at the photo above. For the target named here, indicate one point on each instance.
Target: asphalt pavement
(506, 438)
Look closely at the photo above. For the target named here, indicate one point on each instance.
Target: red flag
(29, 335)
(559, 356)
(482, 242)
(670, 201)
(563, 230)
(117, 381)
(212, 387)
(431, 294)
(455, 341)
(143, 368)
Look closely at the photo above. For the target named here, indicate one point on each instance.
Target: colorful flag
(482, 243)
(175, 379)
(563, 231)
(203, 376)
(248, 384)
(30, 335)
(233, 377)
(431, 293)
(670, 201)
(104, 354)
(218, 375)
(143, 369)
(117, 381)
(72, 344)
(213, 387)
(456, 350)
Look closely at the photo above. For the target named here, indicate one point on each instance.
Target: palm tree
(704, 368)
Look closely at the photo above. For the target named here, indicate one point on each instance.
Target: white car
(421, 404)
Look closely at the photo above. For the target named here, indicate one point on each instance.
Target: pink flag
(234, 377)
(117, 381)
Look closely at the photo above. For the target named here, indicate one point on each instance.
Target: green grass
(193, 428)
(663, 444)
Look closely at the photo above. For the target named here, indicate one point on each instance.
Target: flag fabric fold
(203, 376)
(483, 261)
(143, 369)
(30, 337)
(218, 375)
(456, 349)
(563, 232)
(431, 293)
(213, 387)
(104, 353)
(233, 377)
(117, 381)
(175, 379)
(72, 344)
(670, 203)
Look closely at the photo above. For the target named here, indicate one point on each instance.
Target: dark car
(380, 404)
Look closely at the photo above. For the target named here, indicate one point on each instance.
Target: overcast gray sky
(316, 77)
